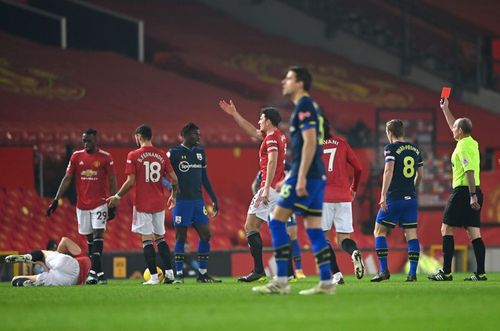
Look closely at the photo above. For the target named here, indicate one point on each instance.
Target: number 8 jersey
(149, 165)
(407, 158)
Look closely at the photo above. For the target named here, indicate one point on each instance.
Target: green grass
(358, 305)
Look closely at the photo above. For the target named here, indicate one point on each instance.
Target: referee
(464, 205)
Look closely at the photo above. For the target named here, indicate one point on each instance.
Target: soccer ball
(147, 275)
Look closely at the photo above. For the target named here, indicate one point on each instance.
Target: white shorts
(258, 208)
(338, 214)
(65, 271)
(148, 223)
(88, 220)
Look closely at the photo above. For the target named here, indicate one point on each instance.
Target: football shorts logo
(178, 219)
(199, 156)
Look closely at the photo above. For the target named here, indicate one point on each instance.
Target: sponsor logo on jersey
(89, 174)
(184, 166)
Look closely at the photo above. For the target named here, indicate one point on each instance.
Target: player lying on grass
(60, 266)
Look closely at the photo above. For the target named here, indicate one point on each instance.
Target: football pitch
(358, 305)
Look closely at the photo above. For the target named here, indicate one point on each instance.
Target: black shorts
(458, 211)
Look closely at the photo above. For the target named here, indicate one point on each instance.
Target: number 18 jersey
(407, 159)
(149, 165)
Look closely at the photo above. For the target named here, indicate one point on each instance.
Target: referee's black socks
(448, 252)
(480, 253)
(255, 243)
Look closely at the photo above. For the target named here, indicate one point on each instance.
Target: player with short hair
(464, 205)
(93, 170)
(60, 267)
(145, 168)
(403, 173)
(339, 194)
(272, 155)
(190, 164)
(303, 190)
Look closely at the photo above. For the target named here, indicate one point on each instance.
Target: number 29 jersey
(149, 165)
(407, 159)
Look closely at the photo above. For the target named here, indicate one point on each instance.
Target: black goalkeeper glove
(111, 213)
(215, 208)
(52, 208)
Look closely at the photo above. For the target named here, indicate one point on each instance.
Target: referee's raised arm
(447, 113)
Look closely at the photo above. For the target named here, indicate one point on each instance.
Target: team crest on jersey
(199, 156)
(96, 164)
(465, 162)
(178, 219)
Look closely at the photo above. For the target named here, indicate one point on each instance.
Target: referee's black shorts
(458, 211)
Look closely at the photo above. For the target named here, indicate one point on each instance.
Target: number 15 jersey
(149, 165)
(407, 159)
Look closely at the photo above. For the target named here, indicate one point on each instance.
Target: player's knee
(250, 228)
(205, 236)
(446, 230)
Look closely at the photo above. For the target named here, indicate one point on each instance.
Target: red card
(445, 93)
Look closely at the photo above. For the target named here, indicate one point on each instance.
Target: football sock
(97, 248)
(480, 253)
(164, 252)
(291, 273)
(448, 252)
(255, 244)
(413, 255)
(333, 259)
(382, 252)
(296, 254)
(203, 254)
(322, 253)
(281, 246)
(179, 255)
(150, 256)
(349, 245)
(90, 245)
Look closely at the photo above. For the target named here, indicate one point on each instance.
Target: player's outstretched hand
(112, 201)
(111, 213)
(52, 207)
(229, 108)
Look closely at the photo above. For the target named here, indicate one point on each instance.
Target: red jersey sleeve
(352, 159)
(130, 165)
(71, 165)
(271, 143)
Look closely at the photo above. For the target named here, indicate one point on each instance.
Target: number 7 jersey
(407, 159)
(149, 165)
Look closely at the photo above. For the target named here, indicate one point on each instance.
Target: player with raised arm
(303, 190)
(146, 166)
(339, 194)
(190, 164)
(93, 170)
(272, 154)
(403, 173)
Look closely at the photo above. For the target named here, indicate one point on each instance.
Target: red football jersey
(91, 173)
(337, 155)
(149, 165)
(275, 141)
